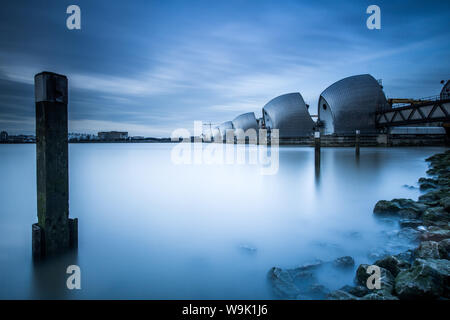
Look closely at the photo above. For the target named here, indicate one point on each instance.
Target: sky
(150, 67)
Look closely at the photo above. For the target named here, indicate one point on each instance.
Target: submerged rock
(318, 291)
(282, 283)
(344, 262)
(426, 279)
(410, 223)
(357, 291)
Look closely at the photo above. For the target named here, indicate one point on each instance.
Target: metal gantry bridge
(431, 111)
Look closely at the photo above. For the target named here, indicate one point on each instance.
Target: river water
(151, 227)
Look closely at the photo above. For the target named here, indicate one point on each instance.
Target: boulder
(386, 280)
(426, 279)
(428, 183)
(344, 262)
(393, 264)
(444, 249)
(445, 203)
(405, 208)
(433, 197)
(435, 235)
(435, 215)
(384, 207)
(427, 250)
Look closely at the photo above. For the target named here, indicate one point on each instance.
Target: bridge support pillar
(55, 232)
(357, 142)
(317, 152)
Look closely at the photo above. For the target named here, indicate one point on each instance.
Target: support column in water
(54, 232)
(357, 141)
(317, 152)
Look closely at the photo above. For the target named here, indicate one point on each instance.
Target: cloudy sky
(149, 67)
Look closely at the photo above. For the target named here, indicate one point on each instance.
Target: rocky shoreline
(422, 273)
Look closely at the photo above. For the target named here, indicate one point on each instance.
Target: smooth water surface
(151, 229)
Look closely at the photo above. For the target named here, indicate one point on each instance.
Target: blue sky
(149, 67)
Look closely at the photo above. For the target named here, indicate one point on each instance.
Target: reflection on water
(151, 229)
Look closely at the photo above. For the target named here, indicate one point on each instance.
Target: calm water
(151, 229)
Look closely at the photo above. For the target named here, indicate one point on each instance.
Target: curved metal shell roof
(350, 103)
(245, 121)
(289, 114)
(227, 125)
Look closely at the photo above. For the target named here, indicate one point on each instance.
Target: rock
(445, 203)
(341, 295)
(318, 291)
(393, 264)
(247, 248)
(379, 296)
(386, 280)
(305, 271)
(428, 183)
(344, 262)
(405, 208)
(409, 234)
(433, 197)
(406, 257)
(435, 235)
(426, 279)
(435, 215)
(444, 249)
(410, 223)
(386, 207)
(357, 291)
(282, 283)
(428, 250)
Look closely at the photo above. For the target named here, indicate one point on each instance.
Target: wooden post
(54, 232)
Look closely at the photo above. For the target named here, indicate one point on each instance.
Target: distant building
(113, 135)
(4, 136)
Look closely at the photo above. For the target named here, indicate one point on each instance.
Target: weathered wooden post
(54, 232)
(357, 141)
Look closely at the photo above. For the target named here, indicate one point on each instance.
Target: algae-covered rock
(428, 250)
(426, 279)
